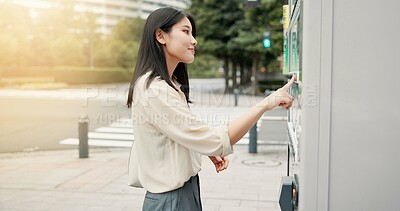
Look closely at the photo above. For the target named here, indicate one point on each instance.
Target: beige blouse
(169, 138)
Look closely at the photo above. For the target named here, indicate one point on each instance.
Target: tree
(266, 17)
(215, 23)
(233, 33)
(121, 47)
(15, 34)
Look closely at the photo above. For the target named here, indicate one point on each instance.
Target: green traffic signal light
(267, 43)
(266, 39)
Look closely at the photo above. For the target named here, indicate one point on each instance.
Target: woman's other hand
(220, 162)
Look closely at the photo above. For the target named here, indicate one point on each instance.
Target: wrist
(264, 105)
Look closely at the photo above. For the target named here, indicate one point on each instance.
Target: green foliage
(204, 66)
(85, 75)
(230, 29)
(216, 24)
(60, 36)
(83, 69)
(128, 30)
(121, 47)
(15, 26)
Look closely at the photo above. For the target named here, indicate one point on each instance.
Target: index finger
(289, 84)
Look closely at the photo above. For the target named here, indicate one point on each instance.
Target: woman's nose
(194, 42)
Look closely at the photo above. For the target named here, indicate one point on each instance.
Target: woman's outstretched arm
(239, 127)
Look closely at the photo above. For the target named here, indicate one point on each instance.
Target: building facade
(109, 12)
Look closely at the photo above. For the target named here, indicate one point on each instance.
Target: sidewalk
(59, 180)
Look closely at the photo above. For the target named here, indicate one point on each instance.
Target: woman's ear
(160, 36)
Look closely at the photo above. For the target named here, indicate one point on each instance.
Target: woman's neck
(171, 66)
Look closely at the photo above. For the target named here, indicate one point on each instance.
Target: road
(33, 120)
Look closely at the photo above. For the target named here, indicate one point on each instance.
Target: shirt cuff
(225, 141)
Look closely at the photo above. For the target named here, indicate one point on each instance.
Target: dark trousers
(185, 198)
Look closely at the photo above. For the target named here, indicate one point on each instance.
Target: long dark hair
(151, 55)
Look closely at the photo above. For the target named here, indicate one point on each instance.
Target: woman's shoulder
(143, 79)
(155, 83)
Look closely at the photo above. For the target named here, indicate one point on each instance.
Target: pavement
(60, 180)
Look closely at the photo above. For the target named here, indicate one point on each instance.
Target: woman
(169, 139)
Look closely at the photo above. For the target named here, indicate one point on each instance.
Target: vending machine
(292, 64)
(343, 151)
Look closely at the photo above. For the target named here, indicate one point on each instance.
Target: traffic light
(266, 40)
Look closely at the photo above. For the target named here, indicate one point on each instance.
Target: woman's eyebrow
(186, 26)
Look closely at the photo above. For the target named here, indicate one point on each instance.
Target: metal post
(253, 139)
(83, 137)
(288, 160)
(236, 95)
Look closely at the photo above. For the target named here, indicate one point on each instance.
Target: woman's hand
(241, 125)
(220, 162)
(280, 97)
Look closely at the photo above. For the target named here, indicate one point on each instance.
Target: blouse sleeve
(168, 111)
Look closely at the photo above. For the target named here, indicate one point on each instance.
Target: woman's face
(180, 43)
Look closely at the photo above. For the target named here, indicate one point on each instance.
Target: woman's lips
(191, 50)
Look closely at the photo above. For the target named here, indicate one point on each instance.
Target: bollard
(236, 95)
(253, 139)
(83, 126)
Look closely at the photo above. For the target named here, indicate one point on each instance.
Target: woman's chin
(189, 61)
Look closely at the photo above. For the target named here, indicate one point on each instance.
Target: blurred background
(64, 59)
(96, 41)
